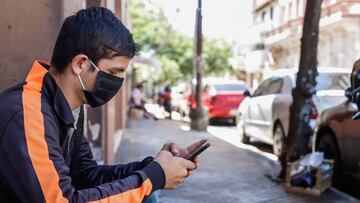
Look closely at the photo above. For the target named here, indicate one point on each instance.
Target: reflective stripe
(35, 136)
(131, 196)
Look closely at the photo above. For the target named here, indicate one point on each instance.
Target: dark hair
(95, 32)
(139, 85)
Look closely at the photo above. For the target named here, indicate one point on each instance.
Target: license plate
(233, 112)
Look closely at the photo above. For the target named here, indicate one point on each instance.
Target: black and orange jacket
(34, 167)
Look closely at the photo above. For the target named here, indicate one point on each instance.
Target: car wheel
(233, 121)
(245, 139)
(211, 121)
(240, 126)
(279, 137)
(328, 145)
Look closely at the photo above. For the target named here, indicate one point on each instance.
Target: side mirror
(247, 93)
(349, 94)
(352, 107)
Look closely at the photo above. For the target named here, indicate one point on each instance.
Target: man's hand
(174, 149)
(176, 169)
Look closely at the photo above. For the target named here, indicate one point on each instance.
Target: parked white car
(265, 115)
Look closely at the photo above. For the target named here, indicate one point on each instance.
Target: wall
(27, 32)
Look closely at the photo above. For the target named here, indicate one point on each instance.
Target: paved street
(228, 173)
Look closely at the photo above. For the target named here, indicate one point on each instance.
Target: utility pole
(199, 118)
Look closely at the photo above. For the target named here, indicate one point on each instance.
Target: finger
(196, 145)
(197, 165)
(183, 173)
(197, 162)
(166, 146)
(165, 152)
(175, 148)
(189, 165)
(178, 182)
(188, 174)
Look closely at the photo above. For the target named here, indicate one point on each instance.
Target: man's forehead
(116, 62)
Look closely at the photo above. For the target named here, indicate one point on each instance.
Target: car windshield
(332, 81)
(229, 87)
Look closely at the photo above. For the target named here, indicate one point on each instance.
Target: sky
(228, 19)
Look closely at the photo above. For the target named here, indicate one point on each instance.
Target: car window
(261, 90)
(275, 86)
(270, 86)
(332, 81)
(229, 87)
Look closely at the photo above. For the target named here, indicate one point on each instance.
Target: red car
(222, 99)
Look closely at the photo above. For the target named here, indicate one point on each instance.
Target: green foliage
(150, 27)
(170, 72)
(155, 35)
(179, 49)
(217, 53)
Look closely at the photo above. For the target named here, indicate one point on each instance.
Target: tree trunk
(299, 130)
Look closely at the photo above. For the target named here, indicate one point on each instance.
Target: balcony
(332, 12)
(261, 4)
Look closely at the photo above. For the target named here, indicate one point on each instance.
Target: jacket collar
(54, 93)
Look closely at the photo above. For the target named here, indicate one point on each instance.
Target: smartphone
(191, 156)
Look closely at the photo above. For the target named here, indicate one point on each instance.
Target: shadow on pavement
(262, 146)
(222, 122)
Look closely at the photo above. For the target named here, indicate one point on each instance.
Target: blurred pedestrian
(166, 98)
(137, 101)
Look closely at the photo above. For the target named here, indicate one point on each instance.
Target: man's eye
(113, 73)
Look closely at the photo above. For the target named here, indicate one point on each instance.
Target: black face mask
(106, 86)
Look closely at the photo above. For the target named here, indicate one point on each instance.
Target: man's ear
(78, 64)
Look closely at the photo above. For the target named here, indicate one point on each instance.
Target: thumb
(174, 148)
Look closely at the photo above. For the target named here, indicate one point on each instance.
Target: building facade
(279, 24)
(28, 30)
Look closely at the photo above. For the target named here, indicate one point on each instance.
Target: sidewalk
(227, 173)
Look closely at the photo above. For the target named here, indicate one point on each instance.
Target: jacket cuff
(146, 162)
(156, 175)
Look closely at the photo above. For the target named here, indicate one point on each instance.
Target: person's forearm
(93, 175)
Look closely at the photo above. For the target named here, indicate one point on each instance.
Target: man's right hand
(176, 169)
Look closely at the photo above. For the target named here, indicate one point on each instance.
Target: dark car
(338, 136)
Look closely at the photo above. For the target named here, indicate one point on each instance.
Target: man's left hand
(181, 152)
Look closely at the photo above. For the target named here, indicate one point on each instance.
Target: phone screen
(191, 156)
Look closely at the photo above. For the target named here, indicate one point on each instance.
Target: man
(43, 155)
(166, 96)
(137, 101)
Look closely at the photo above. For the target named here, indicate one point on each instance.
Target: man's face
(115, 66)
